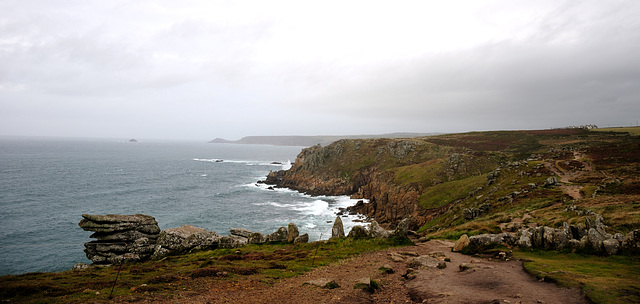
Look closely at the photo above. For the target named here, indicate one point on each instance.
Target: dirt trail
(567, 175)
(487, 282)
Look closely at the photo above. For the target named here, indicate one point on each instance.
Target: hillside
(480, 181)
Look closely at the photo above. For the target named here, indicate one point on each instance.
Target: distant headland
(307, 141)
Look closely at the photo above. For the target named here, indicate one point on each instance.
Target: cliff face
(472, 181)
(372, 169)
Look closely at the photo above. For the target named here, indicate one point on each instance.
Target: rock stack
(121, 238)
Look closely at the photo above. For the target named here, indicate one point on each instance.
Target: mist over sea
(47, 183)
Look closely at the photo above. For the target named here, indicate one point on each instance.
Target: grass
(196, 272)
(445, 193)
(630, 130)
(603, 280)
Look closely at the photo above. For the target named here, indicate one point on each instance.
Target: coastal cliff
(460, 181)
(390, 173)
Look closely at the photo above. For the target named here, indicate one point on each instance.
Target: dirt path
(485, 282)
(567, 175)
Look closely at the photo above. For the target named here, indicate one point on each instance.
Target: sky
(206, 69)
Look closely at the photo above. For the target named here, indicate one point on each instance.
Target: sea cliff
(456, 180)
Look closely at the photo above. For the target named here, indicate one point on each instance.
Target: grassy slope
(461, 182)
(191, 273)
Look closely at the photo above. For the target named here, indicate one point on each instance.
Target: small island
(133, 140)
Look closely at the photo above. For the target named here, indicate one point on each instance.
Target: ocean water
(46, 185)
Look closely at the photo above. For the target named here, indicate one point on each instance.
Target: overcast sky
(206, 69)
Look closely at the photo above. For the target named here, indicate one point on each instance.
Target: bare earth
(487, 281)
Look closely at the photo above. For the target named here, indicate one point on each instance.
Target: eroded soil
(485, 281)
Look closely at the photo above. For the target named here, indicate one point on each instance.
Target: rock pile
(590, 236)
(120, 237)
(131, 238)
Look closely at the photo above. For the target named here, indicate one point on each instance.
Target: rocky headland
(137, 238)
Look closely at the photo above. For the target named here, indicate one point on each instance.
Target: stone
(172, 238)
(551, 181)
(293, 232)
(611, 246)
(117, 222)
(396, 257)
(323, 283)
(358, 231)
(202, 240)
(281, 235)
(524, 238)
(232, 241)
(462, 242)
(241, 232)
(121, 238)
(257, 238)
(378, 232)
(338, 229)
(303, 238)
(424, 261)
(80, 266)
(402, 228)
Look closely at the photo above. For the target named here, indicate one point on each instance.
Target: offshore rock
(121, 238)
(338, 229)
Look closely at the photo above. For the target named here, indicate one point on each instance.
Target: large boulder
(202, 241)
(462, 242)
(338, 228)
(111, 223)
(402, 229)
(293, 232)
(257, 238)
(173, 238)
(611, 246)
(281, 235)
(358, 231)
(378, 232)
(121, 238)
(232, 241)
(241, 232)
(303, 238)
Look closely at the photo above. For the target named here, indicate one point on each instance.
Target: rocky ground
(478, 280)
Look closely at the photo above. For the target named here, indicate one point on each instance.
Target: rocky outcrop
(132, 238)
(590, 237)
(120, 238)
(338, 228)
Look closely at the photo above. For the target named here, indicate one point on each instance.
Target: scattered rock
(462, 242)
(358, 231)
(293, 232)
(338, 229)
(377, 231)
(402, 228)
(281, 235)
(303, 238)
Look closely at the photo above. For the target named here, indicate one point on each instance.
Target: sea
(46, 184)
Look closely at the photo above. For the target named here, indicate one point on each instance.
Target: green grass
(445, 193)
(195, 272)
(603, 280)
(630, 130)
